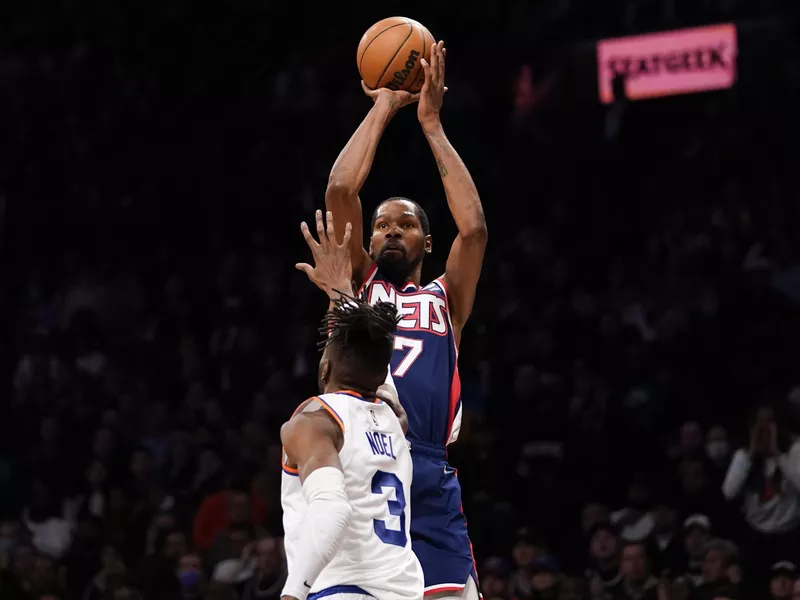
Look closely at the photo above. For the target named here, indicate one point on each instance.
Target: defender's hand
(388, 393)
(332, 271)
(433, 90)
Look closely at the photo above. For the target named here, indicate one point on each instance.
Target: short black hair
(421, 214)
(361, 334)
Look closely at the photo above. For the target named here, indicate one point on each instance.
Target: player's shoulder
(307, 415)
(437, 286)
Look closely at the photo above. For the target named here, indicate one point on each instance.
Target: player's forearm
(352, 167)
(324, 525)
(343, 289)
(462, 195)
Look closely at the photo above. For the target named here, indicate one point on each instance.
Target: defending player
(424, 363)
(347, 467)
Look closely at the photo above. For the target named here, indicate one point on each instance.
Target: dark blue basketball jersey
(424, 369)
(424, 365)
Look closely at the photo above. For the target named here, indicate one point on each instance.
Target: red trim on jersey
(440, 282)
(455, 385)
(370, 274)
(471, 551)
(455, 395)
(439, 590)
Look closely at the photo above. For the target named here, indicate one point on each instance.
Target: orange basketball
(390, 52)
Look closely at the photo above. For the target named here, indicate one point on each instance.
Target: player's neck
(416, 276)
(415, 279)
(401, 279)
(334, 385)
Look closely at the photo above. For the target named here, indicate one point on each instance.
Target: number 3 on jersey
(380, 481)
(414, 347)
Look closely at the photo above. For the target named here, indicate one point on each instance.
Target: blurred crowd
(629, 375)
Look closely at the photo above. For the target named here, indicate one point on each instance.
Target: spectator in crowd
(238, 505)
(156, 573)
(696, 536)
(110, 578)
(720, 568)
(783, 576)
(44, 518)
(690, 442)
(495, 579)
(191, 577)
(543, 582)
(270, 573)
(526, 551)
(765, 478)
(718, 452)
(635, 520)
(638, 582)
(666, 538)
(604, 560)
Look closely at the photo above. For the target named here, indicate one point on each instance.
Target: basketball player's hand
(332, 271)
(433, 90)
(392, 99)
(388, 393)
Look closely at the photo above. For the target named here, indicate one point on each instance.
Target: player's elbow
(476, 233)
(340, 188)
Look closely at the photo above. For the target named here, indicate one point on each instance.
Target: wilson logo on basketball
(400, 76)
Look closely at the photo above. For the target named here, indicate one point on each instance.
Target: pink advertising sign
(668, 63)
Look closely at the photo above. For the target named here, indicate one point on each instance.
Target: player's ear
(428, 244)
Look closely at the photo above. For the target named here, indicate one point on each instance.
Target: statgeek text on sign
(668, 63)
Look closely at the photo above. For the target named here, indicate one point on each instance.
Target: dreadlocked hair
(355, 324)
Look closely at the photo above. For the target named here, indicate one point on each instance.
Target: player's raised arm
(466, 255)
(352, 167)
(312, 441)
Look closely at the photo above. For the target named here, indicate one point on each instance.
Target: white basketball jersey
(376, 553)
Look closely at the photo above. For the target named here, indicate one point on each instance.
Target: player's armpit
(312, 441)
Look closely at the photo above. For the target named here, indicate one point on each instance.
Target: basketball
(390, 52)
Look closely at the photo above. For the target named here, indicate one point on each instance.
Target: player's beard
(397, 270)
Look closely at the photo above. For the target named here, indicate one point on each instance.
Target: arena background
(640, 288)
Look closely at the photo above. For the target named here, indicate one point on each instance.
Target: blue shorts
(438, 527)
(339, 591)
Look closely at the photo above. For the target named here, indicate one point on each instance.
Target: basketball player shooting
(424, 362)
(347, 468)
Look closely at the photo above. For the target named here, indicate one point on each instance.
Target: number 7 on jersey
(414, 347)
